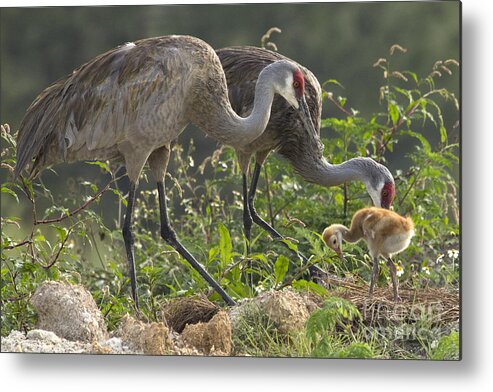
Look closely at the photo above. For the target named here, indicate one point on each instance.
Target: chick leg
(374, 275)
(393, 274)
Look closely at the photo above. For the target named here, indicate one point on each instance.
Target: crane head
(383, 194)
(379, 182)
(387, 194)
(289, 82)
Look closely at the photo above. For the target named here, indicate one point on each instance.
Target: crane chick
(385, 232)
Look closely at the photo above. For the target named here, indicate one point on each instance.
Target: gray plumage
(128, 104)
(286, 132)
(137, 98)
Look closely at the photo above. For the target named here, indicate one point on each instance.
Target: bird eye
(296, 84)
(385, 193)
(335, 241)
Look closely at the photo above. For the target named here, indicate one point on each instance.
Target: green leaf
(356, 350)
(10, 192)
(412, 74)
(280, 268)
(213, 252)
(426, 145)
(394, 113)
(443, 134)
(103, 165)
(225, 246)
(290, 245)
(332, 81)
(62, 232)
(447, 348)
(310, 286)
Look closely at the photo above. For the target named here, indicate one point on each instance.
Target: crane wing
(94, 105)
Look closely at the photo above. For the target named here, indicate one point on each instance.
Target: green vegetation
(67, 239)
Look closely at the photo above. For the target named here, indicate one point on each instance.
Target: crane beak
(305, 115)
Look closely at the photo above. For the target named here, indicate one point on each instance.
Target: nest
(188, 310)
(438, 305)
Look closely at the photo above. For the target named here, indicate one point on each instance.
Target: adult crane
(127, 105)
(285, 133)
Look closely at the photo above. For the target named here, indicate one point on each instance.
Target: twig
(17, 245)
(51, 263)
(78, 209)
(337, 104)
(410, 187)
(394, 128)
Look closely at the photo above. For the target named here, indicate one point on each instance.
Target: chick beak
(339, 252)
(305, 115)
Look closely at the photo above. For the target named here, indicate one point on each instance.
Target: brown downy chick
(385, 232)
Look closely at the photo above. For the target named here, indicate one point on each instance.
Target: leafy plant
(447, 347)
(75, 236)
(321, 326)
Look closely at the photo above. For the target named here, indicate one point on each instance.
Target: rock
(180, 347)
(39, 341)
(213, 337)
(47, 336)
(151, 339)
(286, 309)
(69, 311)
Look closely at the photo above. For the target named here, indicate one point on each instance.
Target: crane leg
(247, 225)
(128, 239)
(374, 276)
(314, 269)
(393, 274)
(169, 235)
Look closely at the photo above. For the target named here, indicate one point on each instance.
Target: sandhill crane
(386, 233)
(286, 134)
(127, 105)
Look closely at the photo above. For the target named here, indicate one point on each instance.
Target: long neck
(219, 120)
(254, 125)
(321, 172)
(353, 234)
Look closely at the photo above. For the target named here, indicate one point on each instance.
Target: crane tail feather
(39, 131)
